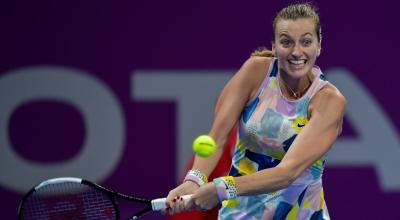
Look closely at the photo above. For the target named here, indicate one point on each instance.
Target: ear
(273, 48)
(319, 49)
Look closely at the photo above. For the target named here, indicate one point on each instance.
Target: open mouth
(297, 62)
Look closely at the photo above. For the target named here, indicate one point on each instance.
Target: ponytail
(262, 52)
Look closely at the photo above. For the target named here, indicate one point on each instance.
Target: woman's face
(296, 46)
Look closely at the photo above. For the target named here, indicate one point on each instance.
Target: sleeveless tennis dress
(268, 126)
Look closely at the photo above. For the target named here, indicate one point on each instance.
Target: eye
(285, 42)
(306, 42)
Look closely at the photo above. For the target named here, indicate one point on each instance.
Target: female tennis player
(288, 115)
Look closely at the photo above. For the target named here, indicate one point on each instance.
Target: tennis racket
(69, 198)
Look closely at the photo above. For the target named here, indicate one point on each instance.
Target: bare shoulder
(328, 101)
(332, 94)
(258, 63)
(253, 72)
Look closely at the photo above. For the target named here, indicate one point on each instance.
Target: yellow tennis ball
(204, 145)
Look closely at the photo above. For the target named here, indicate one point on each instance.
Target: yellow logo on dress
(246, 167)
(299, 123)
(231, 203)
(272, 82)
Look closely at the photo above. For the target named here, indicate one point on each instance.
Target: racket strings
(68, 200)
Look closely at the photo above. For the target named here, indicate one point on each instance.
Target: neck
(295, 88)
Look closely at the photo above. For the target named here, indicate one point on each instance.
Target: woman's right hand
(175, 203)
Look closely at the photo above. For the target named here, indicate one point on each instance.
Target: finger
(189, 204)
(169, 198)
(175, 208)
(171, 206)
(171, 211)
(199, 206)
(180, 204)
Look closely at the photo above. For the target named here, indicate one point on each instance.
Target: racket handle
(159, 204)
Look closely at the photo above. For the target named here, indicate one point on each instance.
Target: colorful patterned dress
(268, 126)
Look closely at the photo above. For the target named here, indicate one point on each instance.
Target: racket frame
(112, 195)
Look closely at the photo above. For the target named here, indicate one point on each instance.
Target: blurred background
(115, 92)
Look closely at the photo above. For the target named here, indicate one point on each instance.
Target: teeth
(297, 62)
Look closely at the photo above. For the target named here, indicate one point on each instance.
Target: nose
(297, 51)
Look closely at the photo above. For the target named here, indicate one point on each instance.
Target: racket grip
(159, 204)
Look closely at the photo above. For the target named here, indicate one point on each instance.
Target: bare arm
(235, 95)
(316, 138)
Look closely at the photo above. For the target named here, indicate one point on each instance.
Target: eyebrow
(307, 33)
(286, 35)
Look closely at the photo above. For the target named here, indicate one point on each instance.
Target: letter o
(103, 118)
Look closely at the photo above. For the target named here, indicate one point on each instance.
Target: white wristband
(197, 177)
(226, 188)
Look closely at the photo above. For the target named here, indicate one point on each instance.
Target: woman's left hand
(204, 198)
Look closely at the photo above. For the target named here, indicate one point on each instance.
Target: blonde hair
(262, 52)
(296, 11)
(292, 12)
